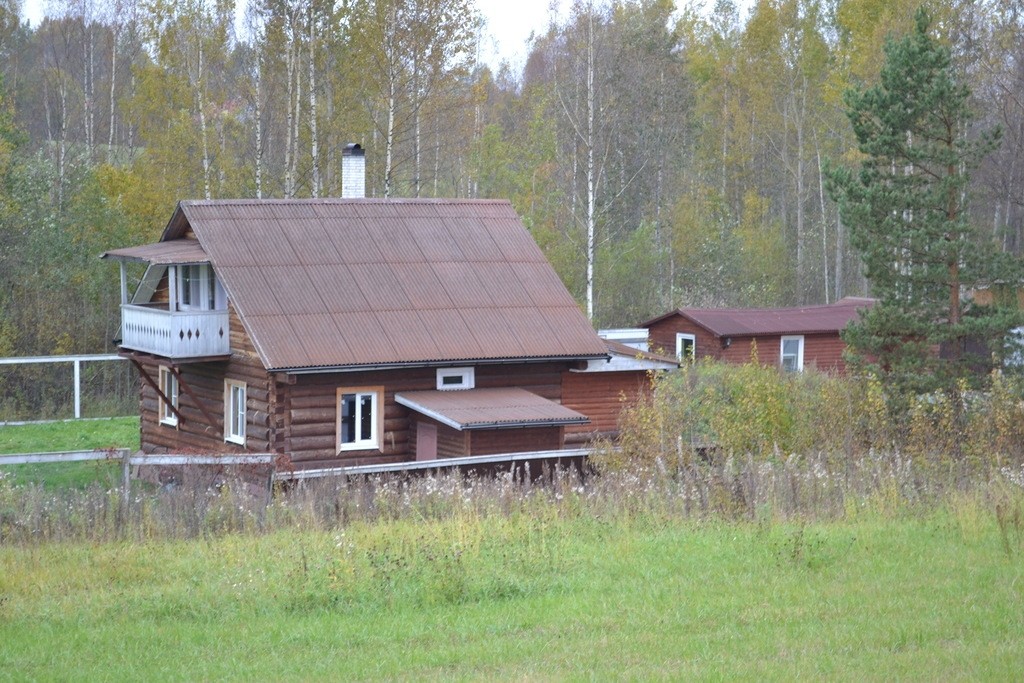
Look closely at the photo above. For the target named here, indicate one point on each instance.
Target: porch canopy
(172, 252)
(503, 408)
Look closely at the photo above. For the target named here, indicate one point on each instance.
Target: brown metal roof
(336, 283)
(620, 349)
(753, 322)
(489, 408)
(179, 251)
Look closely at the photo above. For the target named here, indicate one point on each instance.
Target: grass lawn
(529, 597)
(73, 435)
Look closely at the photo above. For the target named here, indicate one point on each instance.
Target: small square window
(449, 379)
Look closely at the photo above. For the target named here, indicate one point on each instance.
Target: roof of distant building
(740, 322)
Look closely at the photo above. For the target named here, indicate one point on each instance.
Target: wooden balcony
(175, 334)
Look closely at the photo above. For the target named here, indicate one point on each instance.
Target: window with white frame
(686, 346)
(792, 354)
(449, 379)
(1015, 349)
(360, 418)
(198, 289)
(168, 382)
(234, 411)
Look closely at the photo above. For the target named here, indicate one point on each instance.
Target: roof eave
(312, 370)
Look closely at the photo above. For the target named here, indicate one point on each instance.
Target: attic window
(450, 379)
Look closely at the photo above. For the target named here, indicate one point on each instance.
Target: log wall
(602, 396)
(194, 431)
(309, 405)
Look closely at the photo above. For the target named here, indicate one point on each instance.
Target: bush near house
(758, 411)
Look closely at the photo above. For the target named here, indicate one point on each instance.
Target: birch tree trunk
(201, 106)
(259, 127)
(591, 189)
(313, 139)
(115, 37)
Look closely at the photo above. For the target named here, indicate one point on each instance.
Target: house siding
(601, 396)
(823, 351)
(663, 337)
(492, 441)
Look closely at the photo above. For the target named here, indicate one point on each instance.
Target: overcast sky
(509, 24)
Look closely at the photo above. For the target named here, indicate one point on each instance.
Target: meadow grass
(72, 435)
(938, 596)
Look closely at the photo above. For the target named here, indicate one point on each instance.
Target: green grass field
(933, 597)
(80, 435)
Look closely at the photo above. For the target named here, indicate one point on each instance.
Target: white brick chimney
(353, 172)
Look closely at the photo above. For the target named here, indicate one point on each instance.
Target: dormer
(179, 310)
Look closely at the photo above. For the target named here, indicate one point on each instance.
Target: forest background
(688, 142)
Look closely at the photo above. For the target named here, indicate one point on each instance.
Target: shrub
(713, 408)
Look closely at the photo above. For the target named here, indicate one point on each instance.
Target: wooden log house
(357, 331)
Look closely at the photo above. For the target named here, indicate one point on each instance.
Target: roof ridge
(339, 200)
(771, 309)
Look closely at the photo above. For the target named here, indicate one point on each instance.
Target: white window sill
(359, 446)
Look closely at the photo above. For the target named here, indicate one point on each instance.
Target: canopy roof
(489, 408)
(173, 252)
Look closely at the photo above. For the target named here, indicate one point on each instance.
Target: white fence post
(78, 388)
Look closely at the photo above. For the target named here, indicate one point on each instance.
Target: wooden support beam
(210, 419)
(156, 387)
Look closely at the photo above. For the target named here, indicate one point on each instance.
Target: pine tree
(906, 208)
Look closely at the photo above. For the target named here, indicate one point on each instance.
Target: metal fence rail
(127, 459)
(75, 360)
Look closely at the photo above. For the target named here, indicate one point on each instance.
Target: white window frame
(235, 411)
(168, 383)
(466, 376)
(205, 293)
(1015, 341)
(680, 338)
(361, 441)
(799, 338)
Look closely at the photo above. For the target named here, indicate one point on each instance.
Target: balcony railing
(175, 334)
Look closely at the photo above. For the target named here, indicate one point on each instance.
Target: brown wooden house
(792, 338)
(359, 331)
